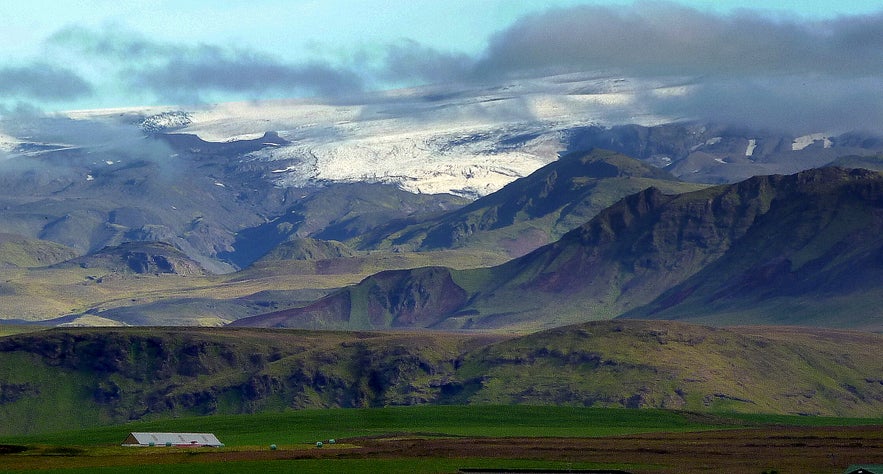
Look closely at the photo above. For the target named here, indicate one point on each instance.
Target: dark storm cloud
(653, 39)
(189, 73)
(42, 82)
(745, 68)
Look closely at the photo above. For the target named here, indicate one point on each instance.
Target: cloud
(194, 73)
(409, 61)
(746, 67)
(656, 39)
(42, 81)
(798, 104)
(92, 146)
(212, 69)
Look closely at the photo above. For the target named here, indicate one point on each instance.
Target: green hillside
(639, 364)
(18, 251)
(68, 378)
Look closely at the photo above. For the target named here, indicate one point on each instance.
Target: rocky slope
(337, 213)
(809, 236)
(530, 211)
(140, 258)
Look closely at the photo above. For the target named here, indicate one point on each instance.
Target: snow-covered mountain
(473, 141)
(198, 177)
(426, 140)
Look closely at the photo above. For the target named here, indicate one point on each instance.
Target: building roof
(174, 439)
(864, 469)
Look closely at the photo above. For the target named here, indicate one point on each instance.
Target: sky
(813, 61)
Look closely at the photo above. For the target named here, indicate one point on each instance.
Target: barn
(172, 439)
(865, 469)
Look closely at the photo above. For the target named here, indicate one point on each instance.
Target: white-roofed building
(172, 439)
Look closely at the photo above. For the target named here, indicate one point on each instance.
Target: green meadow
(248, 439)
(309, 426)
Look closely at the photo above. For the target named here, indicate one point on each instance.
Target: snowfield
(427, 140)
(417, 162)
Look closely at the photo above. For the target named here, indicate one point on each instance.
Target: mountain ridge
(632, 252)
(533, 210)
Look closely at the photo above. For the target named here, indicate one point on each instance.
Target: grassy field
(447, 438)
(308, 426)
(9, 330)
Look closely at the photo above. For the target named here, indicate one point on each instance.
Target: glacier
(432, 139)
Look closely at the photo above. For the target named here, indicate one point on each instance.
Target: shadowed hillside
(421, 297)
(648, 243)
(337, 212)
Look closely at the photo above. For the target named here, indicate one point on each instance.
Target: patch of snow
(245, 136)
(720, 160)
(220, 184)
(672, 91)
(89, 177)
(713, 141)
(802, 142)
(115, 113)
(8, 143)
(165, 121)
(752, 145)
